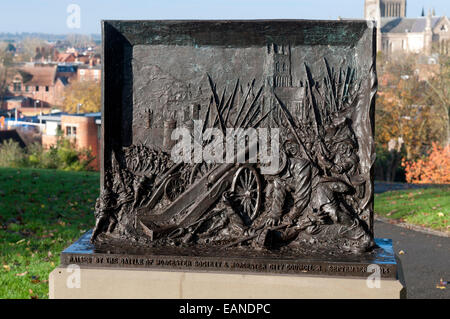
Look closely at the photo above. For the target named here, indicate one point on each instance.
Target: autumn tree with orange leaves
(433, 169)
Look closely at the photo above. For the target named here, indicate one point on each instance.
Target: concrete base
(102, 283)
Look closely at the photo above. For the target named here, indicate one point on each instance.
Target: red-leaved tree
(434, 169)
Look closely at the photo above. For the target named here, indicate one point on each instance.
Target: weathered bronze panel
(310, 85)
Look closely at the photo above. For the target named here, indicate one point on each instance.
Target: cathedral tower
(428, 36)
(278, 66)
(372, 11)
(393, 8)
(384, 8)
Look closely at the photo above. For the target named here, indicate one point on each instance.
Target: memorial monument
(237, 147)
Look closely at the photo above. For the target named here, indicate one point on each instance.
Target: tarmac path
(425, 258)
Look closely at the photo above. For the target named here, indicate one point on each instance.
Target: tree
(405, 109)
(82, 96)
(439, 93)
(433, 169)
(29, 46)
(6, 62)
(79, 40)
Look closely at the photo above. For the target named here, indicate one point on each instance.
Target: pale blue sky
(50, 16)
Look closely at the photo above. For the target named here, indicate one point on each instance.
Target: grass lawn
(41, 213)
(427, 207)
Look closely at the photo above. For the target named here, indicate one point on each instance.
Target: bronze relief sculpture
(306, 88)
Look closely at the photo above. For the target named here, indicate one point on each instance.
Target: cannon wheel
(247, 189)
(174, 187)
(199, 170)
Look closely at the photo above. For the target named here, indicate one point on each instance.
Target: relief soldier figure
(296, 178)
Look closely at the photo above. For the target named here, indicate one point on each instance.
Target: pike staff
(292, 127)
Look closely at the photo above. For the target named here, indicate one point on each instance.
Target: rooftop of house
(92, 114)
(52, 117)
(56, 117)
(42, 75)
(64, 80)
(15, 98)
(63, 57)
(402, 25)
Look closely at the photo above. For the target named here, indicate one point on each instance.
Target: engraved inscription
(230, 265)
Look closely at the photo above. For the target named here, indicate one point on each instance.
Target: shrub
(50, 158)
(35, 155)
(64, 155)
(433, 169)
(11, 154)
(72, 159)
(388, 165)
(85, 158)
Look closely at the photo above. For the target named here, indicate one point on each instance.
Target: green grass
(41, 213)
(427, 207)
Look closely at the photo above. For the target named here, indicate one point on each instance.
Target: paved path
(426, 259)
(381, 187)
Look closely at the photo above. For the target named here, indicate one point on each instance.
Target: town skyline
(21, 16)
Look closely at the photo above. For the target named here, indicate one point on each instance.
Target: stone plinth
(143, 284)
(87, 272)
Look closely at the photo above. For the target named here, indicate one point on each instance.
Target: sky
(59, 17)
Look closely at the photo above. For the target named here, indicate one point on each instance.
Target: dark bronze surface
(297, 262)
(315, 81)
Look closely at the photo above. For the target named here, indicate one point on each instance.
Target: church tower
(278, 66)
(278, 75)
(372, 12)
(393, 8)
(428, 36)
(384, 9)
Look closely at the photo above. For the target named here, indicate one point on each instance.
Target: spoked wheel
(199, 170)
(174, 188)
(247, 190)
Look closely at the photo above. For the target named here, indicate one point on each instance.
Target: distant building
(65, 57)
(84, 129)
(67, 73)
(37, 87)
(44, 54)
(88, 59)
(89, 73)
(384, 8)
(396, 33)
(38, 83)
(16, 102)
